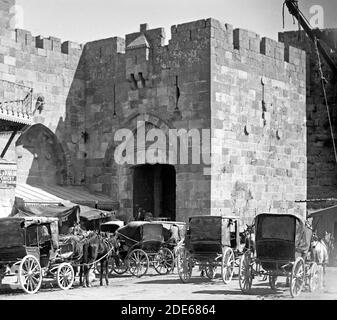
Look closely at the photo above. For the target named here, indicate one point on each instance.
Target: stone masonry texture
(251, 90)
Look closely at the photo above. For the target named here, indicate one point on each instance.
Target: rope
(323, 82)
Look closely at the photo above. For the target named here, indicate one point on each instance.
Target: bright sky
(87, 20)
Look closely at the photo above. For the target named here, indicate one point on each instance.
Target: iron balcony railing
(19, 109)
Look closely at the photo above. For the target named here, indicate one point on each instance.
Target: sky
(87, 20)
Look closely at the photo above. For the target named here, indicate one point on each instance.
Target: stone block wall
(143, 73)
(258, 113)
(53, 70)
(115, 83)
(322, 166)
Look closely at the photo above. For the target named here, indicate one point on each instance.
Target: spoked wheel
(313, 277)
(118, 265)
(30, 274)
(184, 265)
(245, 272)
(272, 282)
(210, 270)
(227, 265)
(164, 261)
(65, 276)
(138, 262)
(297, 278)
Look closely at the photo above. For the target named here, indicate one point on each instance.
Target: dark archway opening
(154, 190)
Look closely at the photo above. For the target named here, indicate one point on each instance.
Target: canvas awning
(67, 195)
(89, 214)
(64, 214)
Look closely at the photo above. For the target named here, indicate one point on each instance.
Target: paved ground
(169, 287)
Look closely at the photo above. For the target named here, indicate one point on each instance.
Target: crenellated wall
(53, 70)
(258, 109)
(144, 73)
(92, 91)
(219, 72)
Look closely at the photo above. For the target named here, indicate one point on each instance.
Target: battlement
(156, 37)
(238, 39)
(231, 39)
(302, 41)
(106, 46)
(245, 41)
(25, 38)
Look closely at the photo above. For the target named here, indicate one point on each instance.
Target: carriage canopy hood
(66, 215)
(11, 229)
(133, 232)
(284, 227)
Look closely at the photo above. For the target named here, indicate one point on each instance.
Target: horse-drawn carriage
(211, 241)
(30, 251)
(142, 244)
(282, 249)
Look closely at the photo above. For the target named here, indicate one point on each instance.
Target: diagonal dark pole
(312, 34)
(9, 142)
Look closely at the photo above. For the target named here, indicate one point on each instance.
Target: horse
(72, 246)
(99, 246)
(320, 253)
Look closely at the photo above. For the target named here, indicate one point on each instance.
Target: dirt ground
(169, 287)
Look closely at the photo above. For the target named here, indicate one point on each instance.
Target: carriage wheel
(65, 276)
(245, 272)
(313, 277)
(211, 270)
(272, 281)
(138, 262)
(227, 265)
(164, 261)
(119, 267)
(30, 274)
(297, 278)
(184, 265)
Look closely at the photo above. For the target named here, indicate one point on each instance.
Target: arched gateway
(147, 184)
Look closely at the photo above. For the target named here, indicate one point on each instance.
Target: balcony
(16, 103)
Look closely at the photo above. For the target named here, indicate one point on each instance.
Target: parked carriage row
(281, 248)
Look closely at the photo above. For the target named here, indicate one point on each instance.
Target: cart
(30, 251)
(142, 245)
(211, 241)
(282, 249)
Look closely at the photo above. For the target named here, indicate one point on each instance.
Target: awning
(67, 195)
(90, 214)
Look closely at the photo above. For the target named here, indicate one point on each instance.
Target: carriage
(142, 244)
(30, 251)
(211, 241)
(282, 243)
